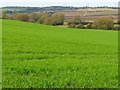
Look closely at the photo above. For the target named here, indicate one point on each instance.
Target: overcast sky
(41, 3)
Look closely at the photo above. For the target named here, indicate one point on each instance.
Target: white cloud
(55, 2)
(59, 1)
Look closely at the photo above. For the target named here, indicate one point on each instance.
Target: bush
(104, 23)
(57, 19)
(33, 17)
(89, 26)
(71, 26)
(48, 21)
(4, 16)
(118, 22)
(21, 17)
(80, 26)
(117, 27)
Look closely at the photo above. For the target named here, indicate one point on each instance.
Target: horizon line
(54, 6)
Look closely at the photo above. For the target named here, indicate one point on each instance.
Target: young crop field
(41, 56)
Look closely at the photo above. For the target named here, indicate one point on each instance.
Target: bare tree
(104, 23)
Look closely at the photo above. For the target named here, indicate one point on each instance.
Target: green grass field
(42, 56)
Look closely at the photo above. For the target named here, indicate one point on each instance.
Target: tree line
(59, 19)
(105, 23)
(41, 18)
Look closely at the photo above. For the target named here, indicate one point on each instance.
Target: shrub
(57, 19)
(82, 27)
(71, 26)
(117, 27)
(21, 17)
(78, 26)
(33, 17)
(104, 23)
(89, 26)
(4, 16)
(118, 22)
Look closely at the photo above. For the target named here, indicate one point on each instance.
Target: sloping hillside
(42, 56)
